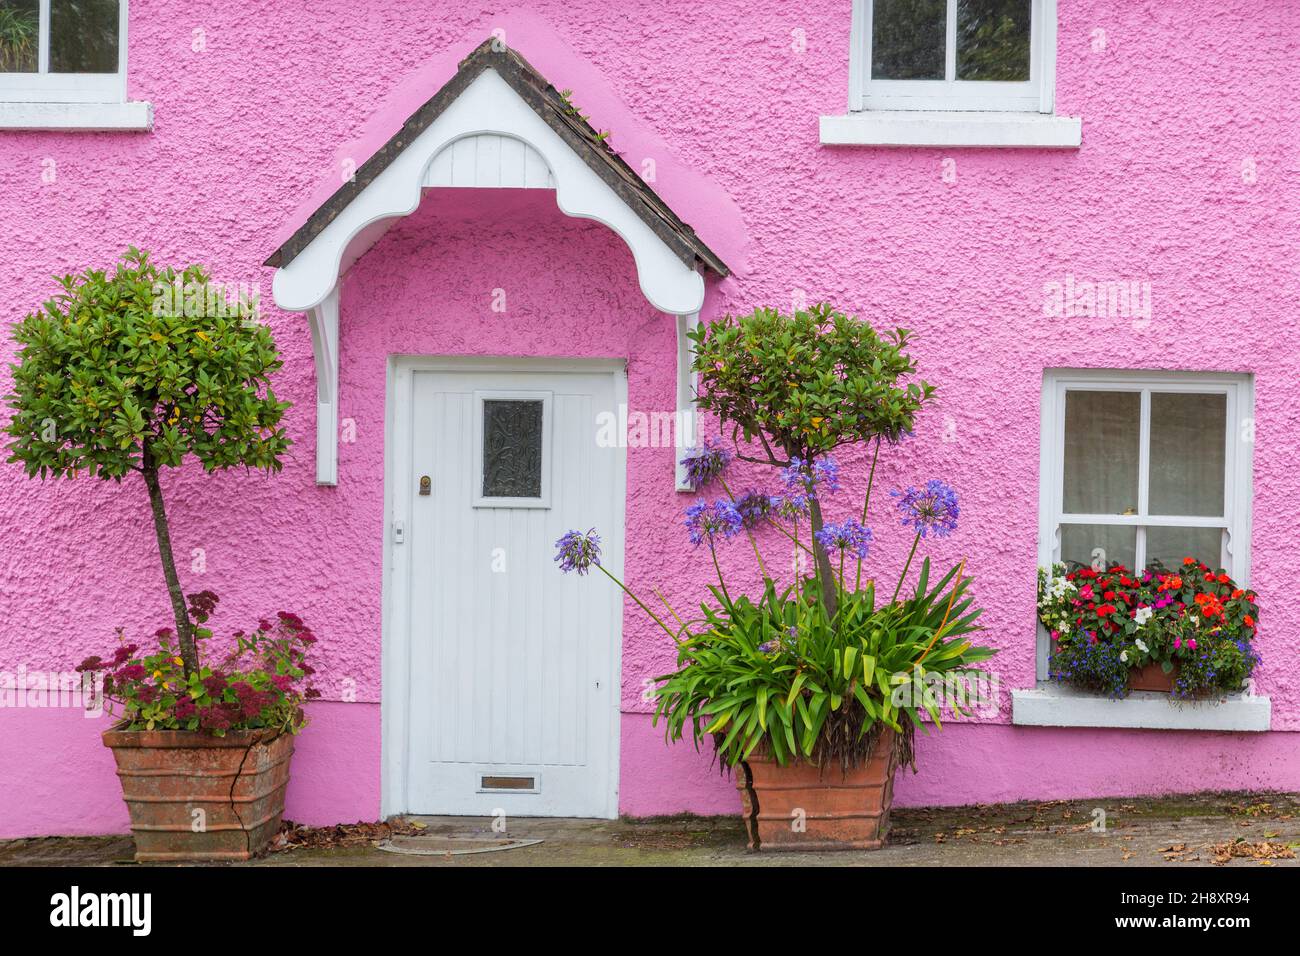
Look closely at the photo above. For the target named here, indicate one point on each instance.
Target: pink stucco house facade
(446, 245)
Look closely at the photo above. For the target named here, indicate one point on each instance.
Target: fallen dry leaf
(1264, 851)
(292, 836)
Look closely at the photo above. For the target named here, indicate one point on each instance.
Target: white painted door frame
(396, 625)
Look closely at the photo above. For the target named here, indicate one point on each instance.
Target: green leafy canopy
(807, 383)
(107, 376)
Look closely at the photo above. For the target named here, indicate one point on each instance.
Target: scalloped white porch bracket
(491, 114)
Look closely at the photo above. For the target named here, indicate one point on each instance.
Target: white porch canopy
(496, 124)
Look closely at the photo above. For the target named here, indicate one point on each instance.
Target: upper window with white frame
(1140, 468)
(62, 51)
(963, 55)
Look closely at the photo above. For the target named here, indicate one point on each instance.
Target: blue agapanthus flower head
(812, 477)
(709, 520)
(849, 535)
(754, 506)
(932, 509)
(705, 462)
(791, 507)
(928, 510)
(577, 551)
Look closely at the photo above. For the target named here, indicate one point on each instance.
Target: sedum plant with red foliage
(260, 683)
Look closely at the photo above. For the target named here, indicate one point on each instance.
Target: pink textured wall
(249, 130)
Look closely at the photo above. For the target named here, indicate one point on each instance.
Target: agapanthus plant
(259, 680)
(812, 666)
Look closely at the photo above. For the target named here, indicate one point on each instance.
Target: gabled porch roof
(496, 123)
(558, 114)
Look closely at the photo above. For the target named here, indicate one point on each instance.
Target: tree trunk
(184, 634)
(824, 569)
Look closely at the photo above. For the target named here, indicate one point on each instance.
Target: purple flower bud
(577, 551)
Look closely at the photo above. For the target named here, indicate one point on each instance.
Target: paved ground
(1207, 829)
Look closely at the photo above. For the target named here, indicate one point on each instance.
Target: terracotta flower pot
(169, 776)
(1152, 677)
(800, 807)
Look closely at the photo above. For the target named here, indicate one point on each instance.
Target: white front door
(512, 667)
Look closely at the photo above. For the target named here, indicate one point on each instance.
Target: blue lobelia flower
(705, 521)
(849, 535)
(930, 509)
(705, 462)
(577, 551)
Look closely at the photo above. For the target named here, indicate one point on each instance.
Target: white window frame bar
(1037, 94)
(1238, 467)
(46, 87)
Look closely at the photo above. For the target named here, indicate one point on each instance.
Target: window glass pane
(1087, 544)
(1169, 546)
(83, 36)
(993, 40)
(512, 449)
(19, 29)
(908, 39)
(1188, 437)
(1101, 452)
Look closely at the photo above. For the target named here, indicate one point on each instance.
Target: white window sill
(948, 129)
(1051, 705)
(90, 117)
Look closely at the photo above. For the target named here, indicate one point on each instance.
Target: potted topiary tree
(810, 690)
(130, 373)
